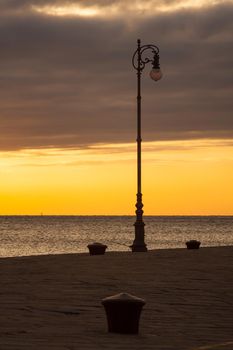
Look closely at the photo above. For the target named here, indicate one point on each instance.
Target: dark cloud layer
(68, 81)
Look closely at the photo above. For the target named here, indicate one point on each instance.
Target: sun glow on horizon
(179, 178)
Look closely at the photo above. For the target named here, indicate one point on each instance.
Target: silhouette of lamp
(143, 55)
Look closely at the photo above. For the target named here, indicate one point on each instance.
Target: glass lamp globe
(156, 74)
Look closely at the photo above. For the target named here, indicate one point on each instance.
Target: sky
(68, 107)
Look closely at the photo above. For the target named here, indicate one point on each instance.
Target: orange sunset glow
(179, 177)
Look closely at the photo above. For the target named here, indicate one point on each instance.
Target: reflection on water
(33, 235)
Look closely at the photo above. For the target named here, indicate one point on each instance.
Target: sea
(42, 235)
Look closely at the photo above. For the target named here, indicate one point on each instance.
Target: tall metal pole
(139, 63)
(139, 244)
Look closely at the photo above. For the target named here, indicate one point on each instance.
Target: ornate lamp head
(155, 72)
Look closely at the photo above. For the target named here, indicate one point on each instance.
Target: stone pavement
(54, 302)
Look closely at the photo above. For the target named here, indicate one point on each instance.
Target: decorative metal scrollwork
(141, 58)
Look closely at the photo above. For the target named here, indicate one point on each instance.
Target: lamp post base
(138, 248)
(139, 243)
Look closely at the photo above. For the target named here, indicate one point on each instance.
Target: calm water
(33, 235)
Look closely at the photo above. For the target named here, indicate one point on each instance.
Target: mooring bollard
(123, 313)
(193, 244)
(97, 248)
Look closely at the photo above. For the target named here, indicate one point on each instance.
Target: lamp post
(139, 60)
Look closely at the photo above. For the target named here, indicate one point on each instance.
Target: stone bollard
(193, 244)
(97, 248)
(123, 313)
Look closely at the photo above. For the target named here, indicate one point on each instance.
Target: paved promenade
(54, 302)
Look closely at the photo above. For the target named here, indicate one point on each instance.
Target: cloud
(68, 81)
(56, 6)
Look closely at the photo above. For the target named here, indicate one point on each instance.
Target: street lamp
(139, 60)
